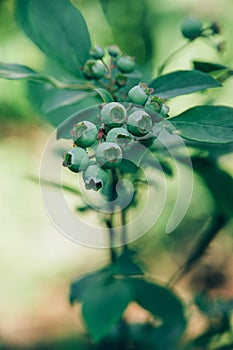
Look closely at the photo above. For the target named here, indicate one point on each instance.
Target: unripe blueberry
(138, 94)
(94, 69)
(121, 136)
(139, 123)
(84, 134)
(125, 64)
(97, 52)
(113, 50)
(108, 154)
(191, 27)
(76, 159)
(95, 177)
(113, 114)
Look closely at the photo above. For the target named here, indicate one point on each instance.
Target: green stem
(222, 78)
(111, 87)
(169, 58)
(109, 224)
(123, 230)
(71, 86)
(109, 220)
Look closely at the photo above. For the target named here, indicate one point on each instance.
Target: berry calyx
(113, 114)
(84, 134)
(95, 177)
(126, 64)
(216, 28)
(108, 155)
(191, 28)
(76, 159)
(121, 136)
(158, 105)
(93, 69)
(139, 123)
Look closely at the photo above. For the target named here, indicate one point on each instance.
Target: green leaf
(61, 98)
(182, 83)
(22, 8)
(125, 264)
(17, 71)
(58, 29)
(149, 337)
(105, 95)
(38, 94)
(160, 302)
(125, 30)
(85, 283)
(212, 124)
(208, 67)
(103, 306)
(219, 183)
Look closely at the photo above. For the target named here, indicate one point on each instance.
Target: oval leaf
(208, 67)
(212, 124)
(182, 83)
(58, 29)
(87, 282)
(60, 98)
(22, 15)
(103, 306)
(159, 301)
(17, 71)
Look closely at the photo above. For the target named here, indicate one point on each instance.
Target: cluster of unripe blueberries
(97, 150)
(95, 68)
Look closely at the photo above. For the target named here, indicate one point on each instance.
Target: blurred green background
(36, 262)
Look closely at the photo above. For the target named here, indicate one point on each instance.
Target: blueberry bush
(116, 116)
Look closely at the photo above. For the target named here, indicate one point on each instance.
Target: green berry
(84, 134)
(76, 159)
(113, 114)
(120, 136)
(191, 27)
(108, 155)
(138, 95)
(94, 69)
(139, 123)
(97, 52)
(113, 50)
(125, 64)
(95, 177)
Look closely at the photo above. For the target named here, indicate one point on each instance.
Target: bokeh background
(37, 263)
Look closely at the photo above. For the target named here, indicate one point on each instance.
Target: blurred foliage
(145, 34)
